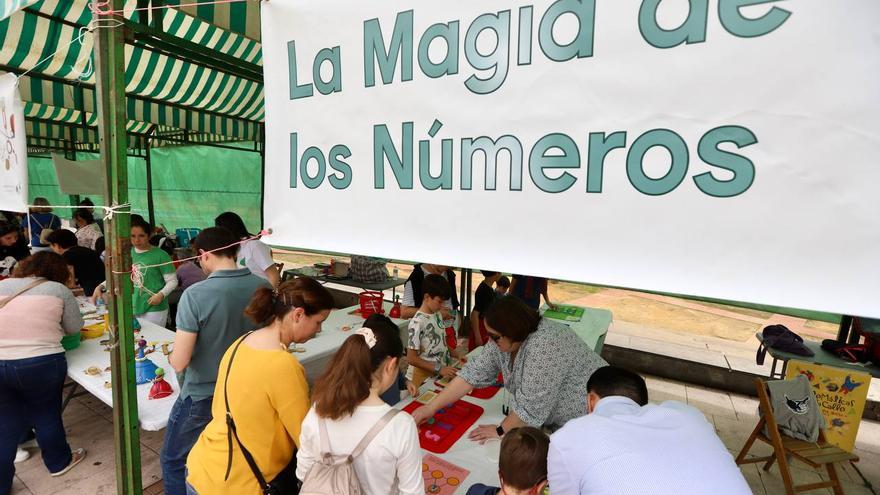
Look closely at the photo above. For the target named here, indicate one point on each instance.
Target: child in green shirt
(148, 299)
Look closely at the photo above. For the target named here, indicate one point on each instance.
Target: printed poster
(13, 147)
(841, 394)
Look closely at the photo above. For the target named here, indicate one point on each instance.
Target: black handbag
(283, 484)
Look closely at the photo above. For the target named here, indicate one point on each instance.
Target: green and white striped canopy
(207, 101)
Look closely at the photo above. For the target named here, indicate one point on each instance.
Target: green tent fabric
(191, 185)
(213, 103)
(9, 7)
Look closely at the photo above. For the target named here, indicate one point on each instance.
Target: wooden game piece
(427, 397)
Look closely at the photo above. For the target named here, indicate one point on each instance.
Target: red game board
(478, 393)
(485, 392)
(447, 426)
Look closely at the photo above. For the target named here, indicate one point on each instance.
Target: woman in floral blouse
(545, 367)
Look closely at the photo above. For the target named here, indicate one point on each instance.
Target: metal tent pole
(110, 75)
(151, 211)
(469, 294)
(262, 130)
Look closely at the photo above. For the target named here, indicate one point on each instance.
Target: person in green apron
(154, 283)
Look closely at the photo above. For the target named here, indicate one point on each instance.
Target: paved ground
(734, 416)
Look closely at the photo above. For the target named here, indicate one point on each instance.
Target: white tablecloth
(321, 348)
(480, 460)
(152, 414)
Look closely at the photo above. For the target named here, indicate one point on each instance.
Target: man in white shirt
(627, 446)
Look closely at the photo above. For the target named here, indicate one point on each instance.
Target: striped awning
(182, 71)
(9, 7)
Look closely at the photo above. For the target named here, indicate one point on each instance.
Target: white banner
(13, 147)
(723, 148)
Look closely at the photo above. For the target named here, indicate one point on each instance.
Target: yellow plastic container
(93, 331)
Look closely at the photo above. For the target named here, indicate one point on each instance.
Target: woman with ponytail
(347, 400)
(265, 390)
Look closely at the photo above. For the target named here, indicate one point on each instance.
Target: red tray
(482, 393)
(485, 392)
(459, 417)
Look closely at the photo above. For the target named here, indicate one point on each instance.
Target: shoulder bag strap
(22, 291)
(384, 420)
(38, 222)
(231, 430)
(326, 454)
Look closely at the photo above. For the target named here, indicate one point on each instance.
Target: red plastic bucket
(371, 302)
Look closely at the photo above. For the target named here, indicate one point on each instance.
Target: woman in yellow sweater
(268, 393)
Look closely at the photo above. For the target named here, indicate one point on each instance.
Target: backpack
(330, 476)
(852, 353)
(45, 232)
(779, 337)
(367, 269)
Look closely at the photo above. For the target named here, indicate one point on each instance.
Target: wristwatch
(437, 367)
(499, 430)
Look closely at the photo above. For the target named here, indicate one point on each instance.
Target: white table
(322, 346)
(480, 460)
(152, 414)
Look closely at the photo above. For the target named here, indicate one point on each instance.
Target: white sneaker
(22, 455)
(30, 444)
(78, 456)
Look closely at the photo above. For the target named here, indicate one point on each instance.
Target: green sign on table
(565, 313)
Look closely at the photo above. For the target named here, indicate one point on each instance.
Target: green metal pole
(151, 209)
(110, 76)
(70, 154)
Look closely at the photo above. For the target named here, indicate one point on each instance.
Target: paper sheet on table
(79, 177)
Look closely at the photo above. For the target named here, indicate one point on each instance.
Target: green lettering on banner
(600, 145)
(449, 64)
(401, 47)
(497, 61)
(334, 85)
(677, 169)
(539, 162)
(340, 150)
(442, 181)
(491, 149)
(296, 91)
(383, 147)
(743, 169)
(524, 53)
(692, 30)
(294, 160)
(312, 153)
(582, 45)
(738, 25)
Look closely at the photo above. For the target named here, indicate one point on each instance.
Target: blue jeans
(30, 396)
(189, 488)
(187, 420)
